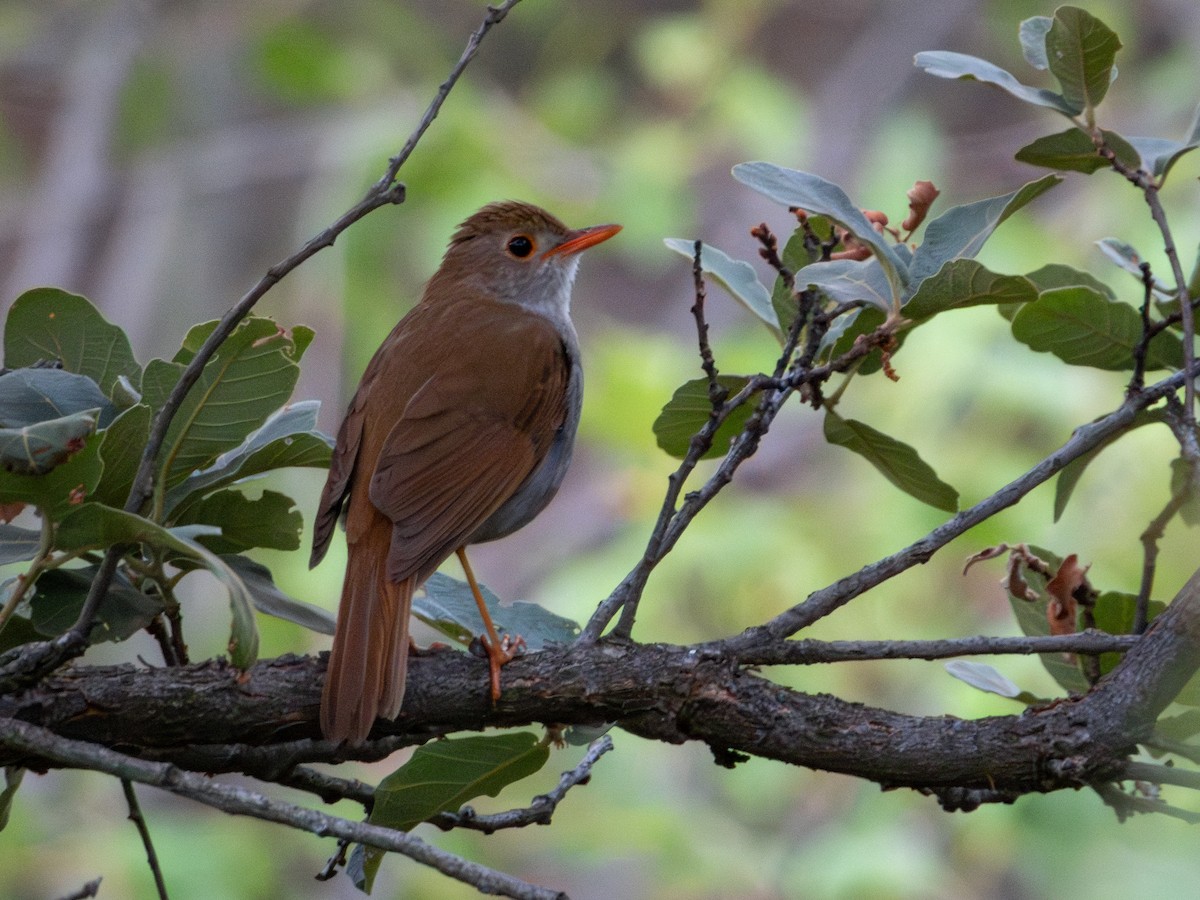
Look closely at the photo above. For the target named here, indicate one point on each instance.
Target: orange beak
(582, 238)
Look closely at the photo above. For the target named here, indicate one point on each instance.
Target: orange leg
(499, 651)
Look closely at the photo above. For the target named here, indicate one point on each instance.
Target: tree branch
(665, 693)
(66, 753)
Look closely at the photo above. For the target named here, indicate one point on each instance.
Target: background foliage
(157, 158)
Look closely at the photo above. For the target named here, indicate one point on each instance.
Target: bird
(460, 432)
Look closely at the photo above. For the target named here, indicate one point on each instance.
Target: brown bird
(460, 432)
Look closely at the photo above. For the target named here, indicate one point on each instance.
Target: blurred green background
(158, 157)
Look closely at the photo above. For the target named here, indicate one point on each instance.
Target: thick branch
(673, 694)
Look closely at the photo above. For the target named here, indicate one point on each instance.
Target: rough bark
(210, 717)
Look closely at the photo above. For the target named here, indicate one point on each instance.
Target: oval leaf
(442, 776)
(688, 411)
(1083, 327)
(947, 64)
(962, 230)
(1080, 51)
(736, 276)
(814, 194)
(988, 678)
(269, 599)
(1074, 151)
(449, 606)
(849, 281)
(50, 324)
(965, 282)
(220, 411)
(896, 461)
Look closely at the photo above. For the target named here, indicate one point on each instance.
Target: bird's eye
(520, 246)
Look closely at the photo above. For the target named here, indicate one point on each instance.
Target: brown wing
(471, 435)
(346, 449)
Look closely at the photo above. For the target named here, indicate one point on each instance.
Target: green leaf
(964, 282)
(1083, 327)
(1033, 40)
(989, 679)
(1179, 729)
(896, 461)
(848, 328)
(47, 323)
(121, 448)
(736, 276)
(37, 449)
(12, 782)
(57, 491)
(443, 775)
(1115, 612)
(795, 256)
(848, 281)
(1072, 150)
(29, 396)
(1080, 50)
(688, 411)
(59, 595)
(269, 599)
(289, 438)
(18, 544)
(449, 606)
(250, 376)
(1181, 482)
(962, 230)
(270, 521)
(814, 194)
(1070, 474)
(1056, 275)
(947, 64)
(18, 630)
(93, 525)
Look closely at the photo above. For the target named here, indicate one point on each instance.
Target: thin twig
(809, 652)
(387, 191)
(1149, 187)
(1155, 774)
(823, 602)
(540, 811)
(40, 742)
(1125, 805)
(139, 821)
(716, 392)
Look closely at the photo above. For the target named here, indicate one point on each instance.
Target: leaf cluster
(77, 411)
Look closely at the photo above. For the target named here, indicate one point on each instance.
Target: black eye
(520, 246)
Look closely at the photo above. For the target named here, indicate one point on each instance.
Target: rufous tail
(369, 662)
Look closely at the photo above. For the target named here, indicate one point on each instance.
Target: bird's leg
(499, 651)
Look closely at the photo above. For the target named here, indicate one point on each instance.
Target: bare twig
(540, 811)
(1125, 805)
(808, 652)
(139, 821)
(1155, 774)
(239, 801)
(716, 393)
(823, 602)
(1149, 187)
(387, 191)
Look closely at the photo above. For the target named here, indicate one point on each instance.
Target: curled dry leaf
(1061, 611)
(920, 197)
(984, 555)
(853, 247)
